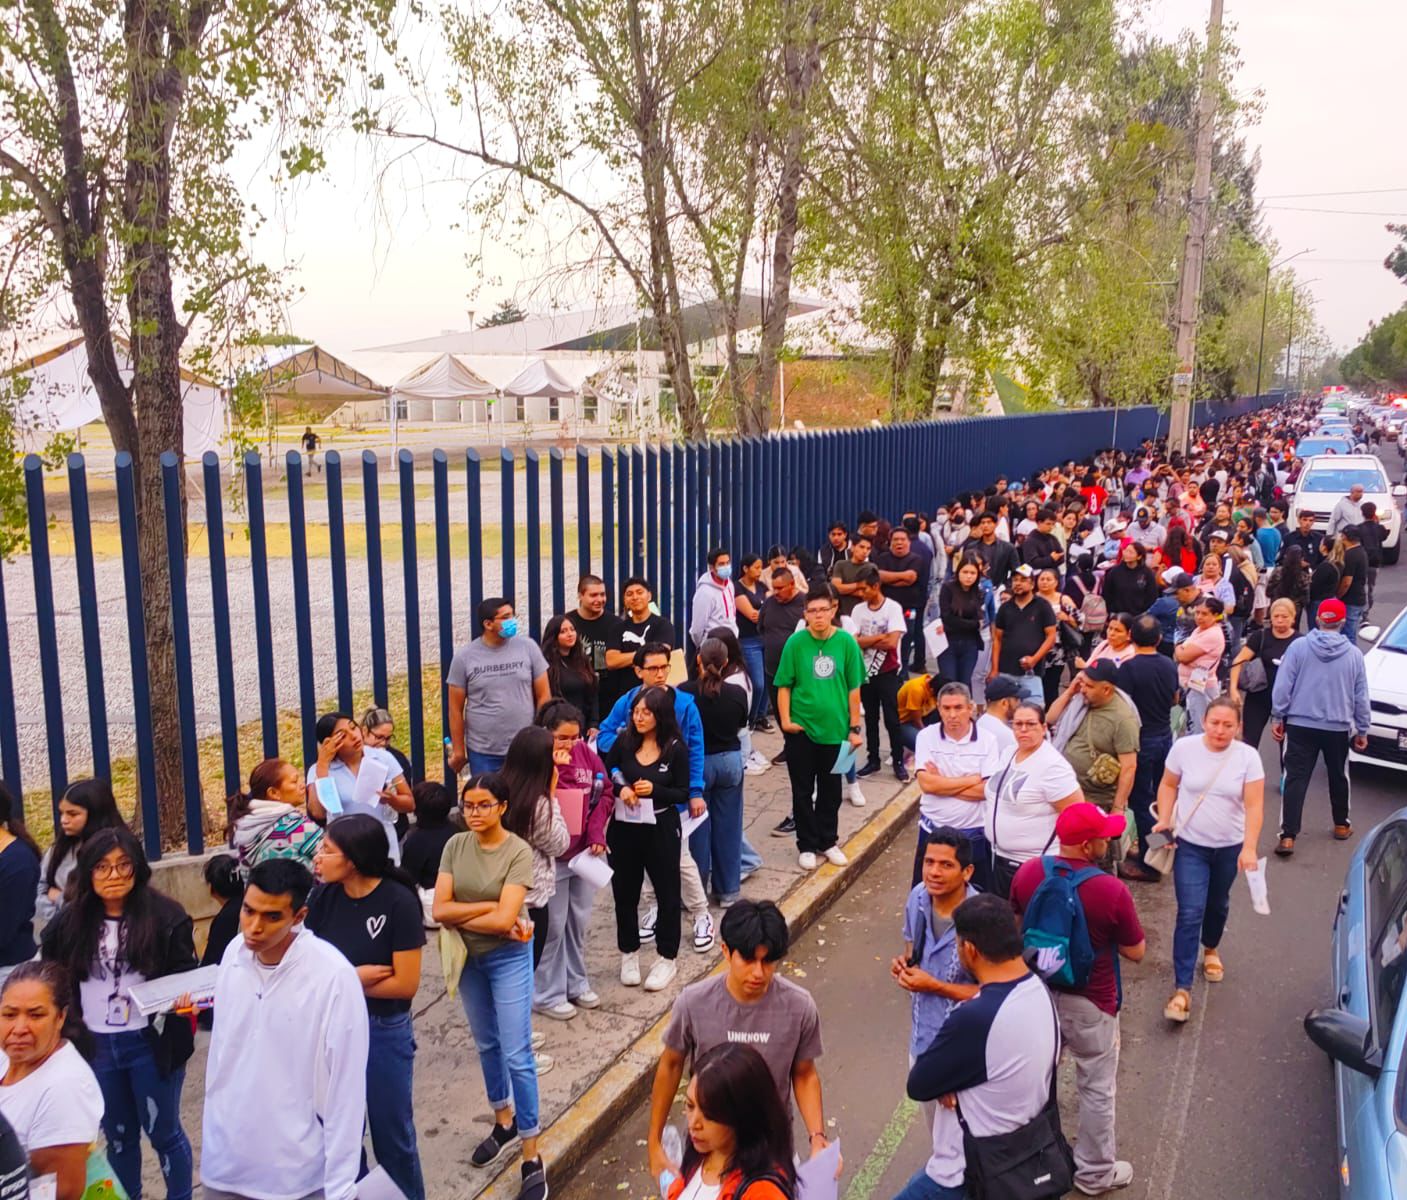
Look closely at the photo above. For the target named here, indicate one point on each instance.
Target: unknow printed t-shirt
(481, 875)
(369, 929)
(1220, 819)
(498, 687)
(784, 1026)
(1020, 795)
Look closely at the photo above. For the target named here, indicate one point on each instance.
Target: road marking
(1180, 1090)
(885, 1148)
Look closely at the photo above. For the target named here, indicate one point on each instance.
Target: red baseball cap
(1085, 822)
(1332, 612)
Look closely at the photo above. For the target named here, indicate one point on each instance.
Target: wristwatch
(854, 729)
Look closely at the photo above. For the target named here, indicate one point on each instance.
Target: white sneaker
(703, 932)
(630, 969)
(543, 1062)
(1121, 1178)
(648, 922)
(538, 1037)
(854, 794)
(754, 767)
(588, 999)
(808, 861)
(661, 975)
(836, 856)
(558, 1012)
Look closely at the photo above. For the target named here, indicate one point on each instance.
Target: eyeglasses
(483, 809)
(1025, 724)
(123, 870)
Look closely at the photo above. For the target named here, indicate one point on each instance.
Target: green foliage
(507, 313)
(1396, 261)
(1381, 357)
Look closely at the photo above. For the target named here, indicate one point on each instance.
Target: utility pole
(1190, 288)
(1290, 340)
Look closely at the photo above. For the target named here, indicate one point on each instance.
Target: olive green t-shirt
(480, 875)
(1112, 730)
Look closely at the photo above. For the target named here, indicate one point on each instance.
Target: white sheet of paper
(158, 995)
(377, 1185)
(689, 824)
(591, 867)
(642, 814)
(329, 797)
(935, 639)
(371, 778)
(46, 1187)
(815, 1178)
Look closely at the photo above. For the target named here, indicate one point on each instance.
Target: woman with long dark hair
(333, 781)
(370, 910)
(530, 774)
(569, 672)
(649, 764)
(19, 883)
(86, 807)
(48, 1092)
(960, 607)
(225, 883)
(1290, 581)
(738, 1144)
(268, 820)
(119, 931)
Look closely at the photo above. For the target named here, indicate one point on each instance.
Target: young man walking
(285, 1082)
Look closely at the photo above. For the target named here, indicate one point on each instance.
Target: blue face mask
(508, 628)
(724, 572)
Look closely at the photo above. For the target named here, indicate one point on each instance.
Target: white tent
(538, 378)
(53, 394)
(443, 389)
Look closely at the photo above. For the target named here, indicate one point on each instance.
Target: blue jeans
(922, 1187)
(957, 663)
(1202, 879)
(390, 1067)
(750, 859)
(1152, 753)
(717, 844)
(480, 764)
(752, 660)
(137, 1098)
(1356, 612)
(496, 990)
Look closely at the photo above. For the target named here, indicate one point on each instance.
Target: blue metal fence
(657, 511)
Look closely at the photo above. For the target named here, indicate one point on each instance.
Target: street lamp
(1264, 302)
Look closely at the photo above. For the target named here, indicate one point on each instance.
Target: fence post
(263, 618)
(608, 528)
(337, 549)
(637, 512)
(220, 614)
(714, 459)
(88, 615)
(678, 517)
(444, 598)
(623, 548)
(137, 646)
(556, 501)
(664, 513)
(376, 588)
(474, 485)
(533, 471)
(302, 606)
(181, 647)
(651, 539)
(9, 728)
(48, 636)
(410, 579)
(583, 514)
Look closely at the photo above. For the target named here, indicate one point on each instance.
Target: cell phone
(1159, 839)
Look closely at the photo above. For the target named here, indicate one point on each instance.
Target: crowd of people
(1045, 657)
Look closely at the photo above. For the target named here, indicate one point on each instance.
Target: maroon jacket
(579, 773)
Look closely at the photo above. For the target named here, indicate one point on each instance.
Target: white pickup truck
(1327, 478)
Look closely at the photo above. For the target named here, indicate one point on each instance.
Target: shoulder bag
(1034, 1162)
(1161, 859)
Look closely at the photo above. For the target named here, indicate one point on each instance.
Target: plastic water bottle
(673, 1146)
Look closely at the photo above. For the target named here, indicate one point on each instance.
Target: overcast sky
(1334, 97)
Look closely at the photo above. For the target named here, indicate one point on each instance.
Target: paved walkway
(451, 1109)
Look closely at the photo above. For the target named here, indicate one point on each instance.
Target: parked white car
(1386, 660)
(1326, 479)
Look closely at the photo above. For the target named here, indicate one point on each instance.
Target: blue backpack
(1054, 930)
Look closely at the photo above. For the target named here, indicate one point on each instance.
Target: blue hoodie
(1323, 684)
(690, 729)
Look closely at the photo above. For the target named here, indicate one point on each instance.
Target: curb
(589, 1119)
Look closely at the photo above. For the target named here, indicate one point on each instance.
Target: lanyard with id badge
(111, 958)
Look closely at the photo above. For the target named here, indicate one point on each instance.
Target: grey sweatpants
(1091, 1037)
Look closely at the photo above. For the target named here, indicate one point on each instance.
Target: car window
(1340, 479)
(1386, 910)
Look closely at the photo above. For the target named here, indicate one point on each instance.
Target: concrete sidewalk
(603, 1058)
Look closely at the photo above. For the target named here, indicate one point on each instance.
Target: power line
(1317, 195)
(1342, 212)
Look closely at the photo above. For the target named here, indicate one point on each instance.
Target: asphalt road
(1233, 1103)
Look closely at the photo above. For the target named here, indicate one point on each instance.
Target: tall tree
(117, 126)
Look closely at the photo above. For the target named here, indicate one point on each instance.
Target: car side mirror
(1369, 633)
(1400, 490)
(1345, 1038)
(1288, 489)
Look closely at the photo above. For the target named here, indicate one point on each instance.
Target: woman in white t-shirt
(1033, 783)
(1211, 799)
(48, 1093)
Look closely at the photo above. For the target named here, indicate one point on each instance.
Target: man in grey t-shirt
(496, 683)
(752, 1007)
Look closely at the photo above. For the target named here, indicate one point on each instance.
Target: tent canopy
(538, 378)
(308, 370)
(443, 378)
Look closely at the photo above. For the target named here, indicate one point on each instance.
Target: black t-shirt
(722, 716)
(422, 850)
(757, 595)
(224, 928)
(1373, 535)
(370, 930)
(1270, 649)
(906, 595)
(595, 636)
(629, 636)
(777, 622)
(1023, 631)
(1323, 583)
(1151, 682)
(14, 1164)
(1355, 563)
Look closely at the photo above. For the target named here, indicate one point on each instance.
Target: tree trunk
(156, 384)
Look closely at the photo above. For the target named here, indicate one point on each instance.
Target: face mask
(508, 628)
(724, 572)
